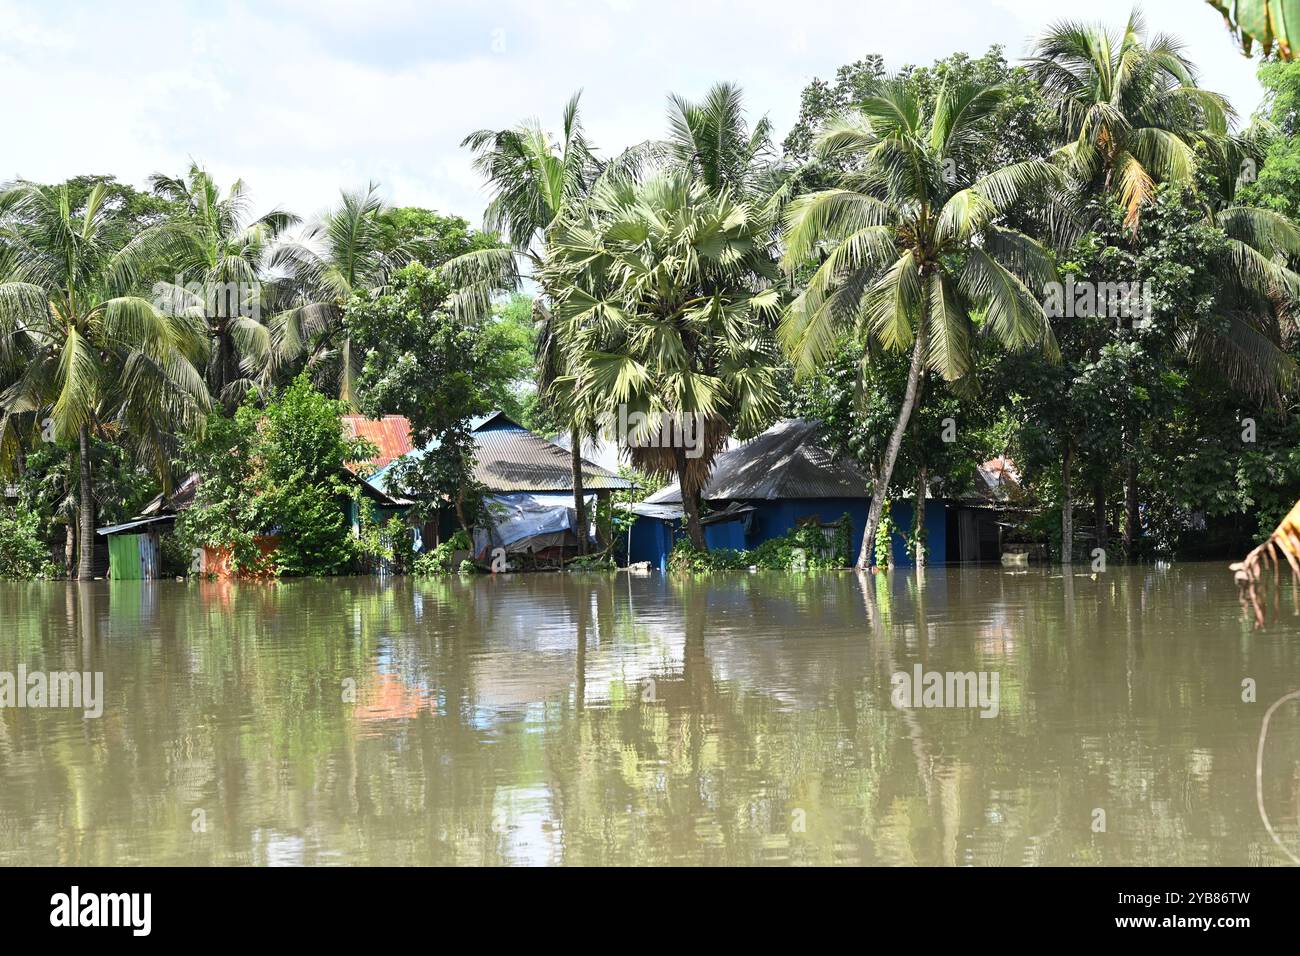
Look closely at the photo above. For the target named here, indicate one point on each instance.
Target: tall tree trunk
(69, 550)
(579, 495)
(223, 377)
(604, 520)
(918, 504)
(1067, 506)
(886, 472)
(1099, 511)
(918, 519)
(690, 502)
(1131, 529)
(85, 510)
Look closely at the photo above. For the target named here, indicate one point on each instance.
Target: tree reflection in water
(605, 719)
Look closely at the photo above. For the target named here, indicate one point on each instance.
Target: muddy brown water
(586, 719)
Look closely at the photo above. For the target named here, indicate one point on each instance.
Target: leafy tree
(356, 247)
(425, 363)
(913, 246)
(275, 470)
(1023, 119)
(1273, 182)
(822, 101)
(431, 239)
(23, 553)
(509, 377)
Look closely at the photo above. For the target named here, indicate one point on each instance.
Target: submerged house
(978, 521)
(529, 480)
(134, 546)
(766, 487)
(786, 477)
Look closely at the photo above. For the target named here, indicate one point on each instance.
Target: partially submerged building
(134, 546)
(786, 477)
(764, 488)
(529, 481)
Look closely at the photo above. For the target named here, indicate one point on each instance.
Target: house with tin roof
(529, 480)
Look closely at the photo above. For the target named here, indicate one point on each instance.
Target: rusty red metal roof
(390, 434)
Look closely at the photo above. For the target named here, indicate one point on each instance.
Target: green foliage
(23, 555)
(508, 370)
(439, 558)
(802, 549)
(277, 470)
(1276, 181)
(883, 545)
(599, 563)
(427, 237)
(383, 544)
(424, 362)
(685, 558)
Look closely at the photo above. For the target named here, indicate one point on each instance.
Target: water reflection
(589, 719)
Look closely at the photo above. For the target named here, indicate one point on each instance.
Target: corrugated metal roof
(786, 461)
(136, 523)
(390, 434)
(510, 458)
(177, 501)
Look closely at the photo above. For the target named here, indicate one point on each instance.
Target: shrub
(592, 562)
(438, 560)
(275, 470)
(23, 555)
(801, 549)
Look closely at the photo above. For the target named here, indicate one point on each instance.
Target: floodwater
(591, 719)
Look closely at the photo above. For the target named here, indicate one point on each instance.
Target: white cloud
(301, 97)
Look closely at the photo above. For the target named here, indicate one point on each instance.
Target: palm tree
(341, 252)
(1130, 112)
(218, 251)
(93, 352)
(534, 180)
(664, 291)
(712, 141)
(911, 251)
(1271, 23)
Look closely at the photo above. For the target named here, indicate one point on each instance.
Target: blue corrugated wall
(652, 538)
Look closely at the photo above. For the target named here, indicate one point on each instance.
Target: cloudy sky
(300, 97)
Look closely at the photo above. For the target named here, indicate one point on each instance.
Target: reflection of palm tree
(882, 642)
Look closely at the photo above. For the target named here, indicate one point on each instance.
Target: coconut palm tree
(909, 248)
(94, 353)
(1272, 24)
(1130, 112)
(218, 251)
(341, 252)
(663, 291)
(532, 177)
(534, 180)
